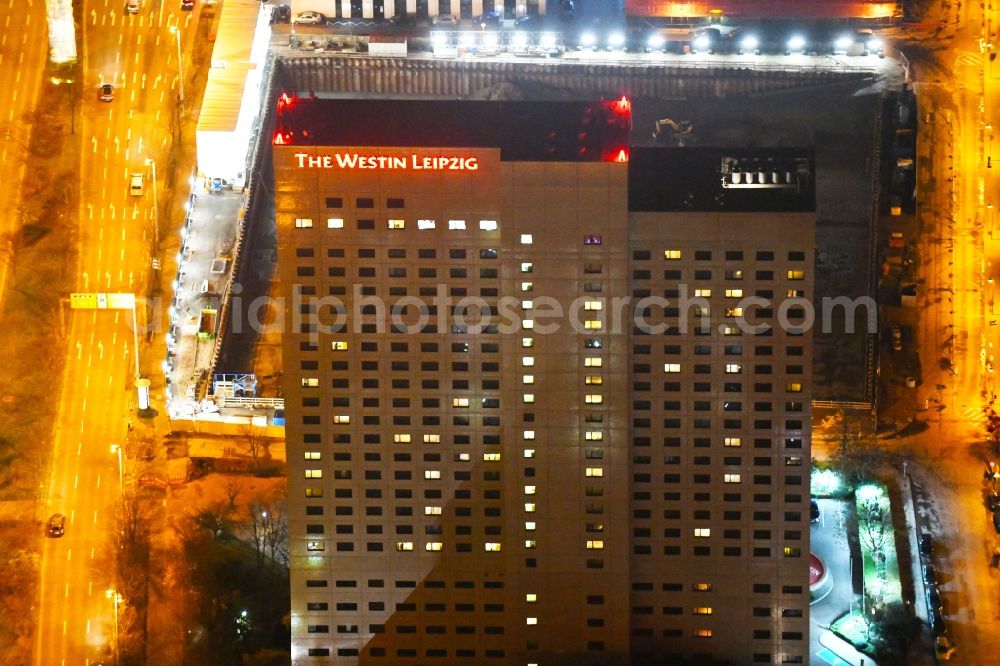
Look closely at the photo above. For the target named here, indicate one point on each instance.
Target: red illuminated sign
(355, 161)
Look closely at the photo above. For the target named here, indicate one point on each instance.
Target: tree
(267, 526)
(895, 628)
(874, 524)
(257, 443)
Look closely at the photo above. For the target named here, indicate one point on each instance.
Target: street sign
(98, 301)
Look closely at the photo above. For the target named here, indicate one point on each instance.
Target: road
(949, 63)
(137, 54)
(23, 44)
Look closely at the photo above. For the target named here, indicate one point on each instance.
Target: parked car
(936, 619)
(282, 14)
(996, 521)
(943, 648)
(813, 510)
(107, 92)
(993, 501)
(309, 18)
(897, 337)
(489, 19)
(56, 526)
(934, 604)
(446, 21)
(930, 574)
(926, 544)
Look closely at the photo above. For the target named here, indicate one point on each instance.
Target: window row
(729, 255)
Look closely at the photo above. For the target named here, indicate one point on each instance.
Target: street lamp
(150, 162)
(121, 477)
(180, 63)
(116, 599)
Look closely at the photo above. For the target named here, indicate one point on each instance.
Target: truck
(206, 326)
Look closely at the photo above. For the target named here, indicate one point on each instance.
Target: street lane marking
(66, 592)
(95, 516)
(76, 481)
(98, 480)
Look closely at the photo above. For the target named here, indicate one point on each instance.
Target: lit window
(703, 633)
(796, 293)
(530, 597)
(314, 474)
(310, 382)
(731, 478)
(529, 453)
(528, 398)
(425, 224)
(529, 490)
(792, 551)
(456, 224)
(527, 286)
(338, 345)
(702, 610)
(432, 511)
(315, 545)
(303, 223)
(593, 305)
(702, 587)
(462, 457)
(404, 545)
(733, 441)
(734, 293)
(529, 507)
(595, 545)
(531, 621)
(527, 379)
(594, 471)
(592, 324)
(526, 239)
(341, 418)
(793, 387)
(528, 324)
(529, 434)
(594, 436)
(734, 312)
(487, 225)
(402, 438)
(796, 275)
(593, 362)
(671, 367)
(335, 223)
(460, 402)
(733, 368)
(492, 547)
(527, 267)
(491, 457)
(313, 455)
(526, 305)
(431, 474)
(593, 379)
(530, 543)
(432, 546)
(703, 293)
(314, 492)
(530, 525)
(527, 342)
(527, 361)
(593, 398)
(397, 224)
(702, 532)
(671, 254)
(432, 439)
(729, 330)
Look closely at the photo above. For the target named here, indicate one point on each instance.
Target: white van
(132, 6)
(135, 185)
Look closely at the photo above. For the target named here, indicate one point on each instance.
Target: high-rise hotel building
(540, 405)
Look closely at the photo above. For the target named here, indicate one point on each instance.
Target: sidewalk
(838, 652)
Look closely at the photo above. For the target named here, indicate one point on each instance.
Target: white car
(309, 18)
(135, 186)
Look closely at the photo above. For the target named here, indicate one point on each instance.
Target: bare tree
(233, 489)
(257, 443)
(267, 525)
(874, 524)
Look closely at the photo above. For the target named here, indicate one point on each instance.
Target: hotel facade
(544, 403)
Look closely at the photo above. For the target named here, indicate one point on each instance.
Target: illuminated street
(136, 54)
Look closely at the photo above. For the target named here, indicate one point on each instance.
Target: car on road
(489, 19)
(187, 5)
(309, 18)
(813, 510)
(132, 6)
(446, 20)
(135, 185)
(943, 648)
(106, 92)
(56, 526)
(926, 544)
